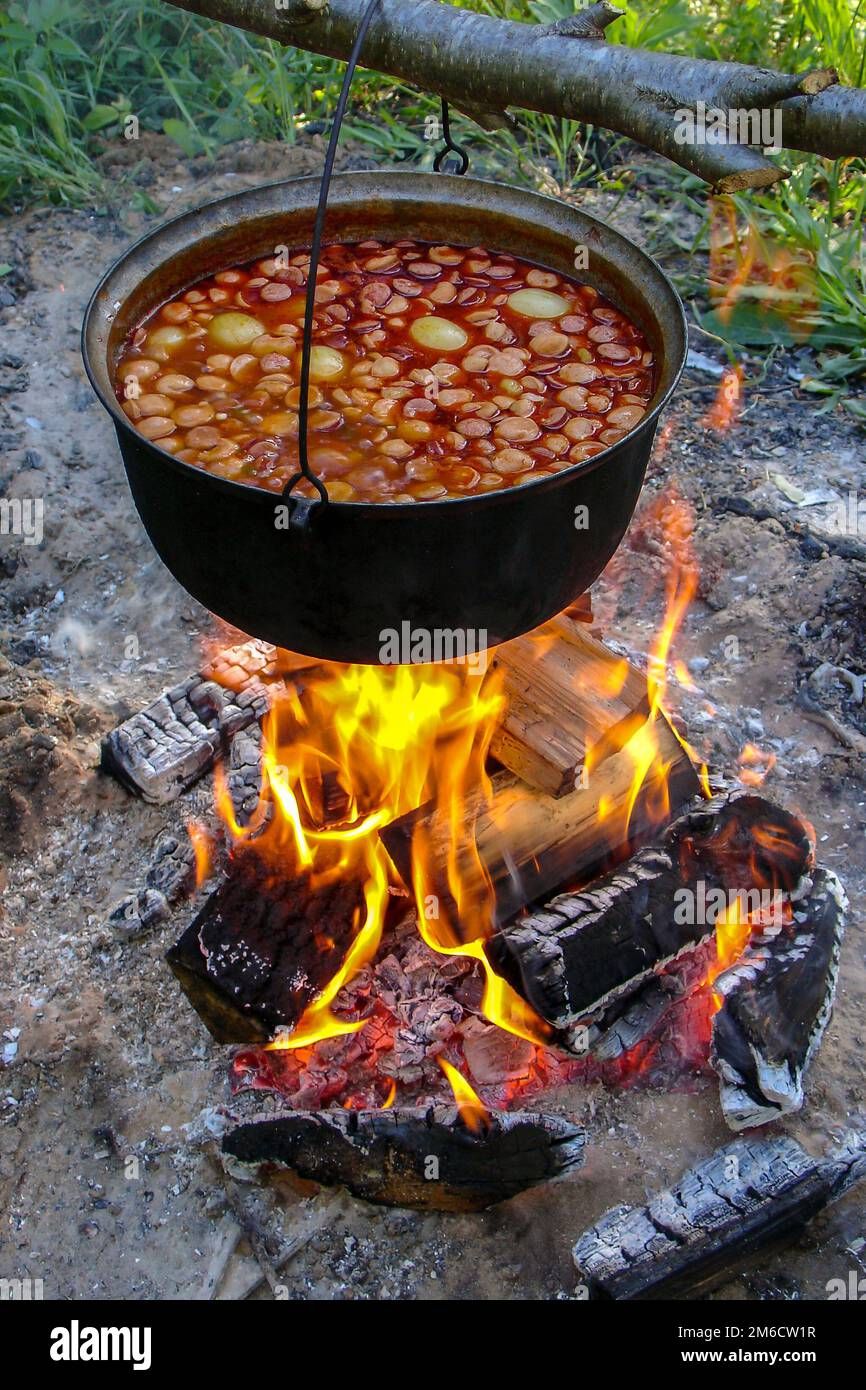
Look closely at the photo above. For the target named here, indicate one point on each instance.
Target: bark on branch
(485, 65)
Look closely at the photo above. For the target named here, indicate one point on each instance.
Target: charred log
(584, 949)
(163, 749)
(263, 948)
(428, 1160)
(778, 1001)
(750, 1197)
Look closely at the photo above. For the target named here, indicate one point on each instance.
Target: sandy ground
(102, 1193)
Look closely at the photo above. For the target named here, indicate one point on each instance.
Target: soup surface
(437, 372)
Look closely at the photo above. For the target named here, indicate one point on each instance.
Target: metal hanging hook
(450, 147)
(304, 507)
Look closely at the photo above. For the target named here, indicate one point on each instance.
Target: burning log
(565, 691)
(778, 1000)
(160, 751)
(529, 843)
(263, 948)
(584, 949)
(426, 1159)
(751, 1196)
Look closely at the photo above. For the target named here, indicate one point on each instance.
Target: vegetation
(71, 75)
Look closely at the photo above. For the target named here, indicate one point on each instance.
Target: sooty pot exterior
(337, 582)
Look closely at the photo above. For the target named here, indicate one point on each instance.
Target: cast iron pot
(335, 585)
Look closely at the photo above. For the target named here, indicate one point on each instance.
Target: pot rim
(250, 491)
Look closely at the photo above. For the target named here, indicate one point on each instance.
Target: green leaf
(100, 117)
(183, 135)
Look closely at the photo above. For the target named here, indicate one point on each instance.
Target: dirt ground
(105, 1188)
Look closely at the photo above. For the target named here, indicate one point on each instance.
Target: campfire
(431, 894)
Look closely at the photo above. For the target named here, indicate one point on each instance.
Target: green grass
(72, 73)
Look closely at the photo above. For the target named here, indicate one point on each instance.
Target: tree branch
(485, 65)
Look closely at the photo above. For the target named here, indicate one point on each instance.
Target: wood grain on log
(751, 1196)
(427, 1159)
(778, 1000)
(529, 843)
(565, 692)
(583, 949)
(489, 64)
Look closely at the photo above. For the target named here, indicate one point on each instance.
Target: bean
(385, 368)
(602, 333)
(445, 255)
(138, 367)
(280, 422)
(424, 270)
(517, 430)
(581, 427)
(408, 288)
(209, 382)
(542, 279)
(473, 428)
(427, 492)
(274, 292)
(420, 405)
(275, 362)
(557, 444)
(626, 416)
(340, 491)
(615, 352)
(244, 368)
(550, 344)
(415, 431)
(154, 403)
(189, 415)
(203, 437)
(176, 313)
(445, 293)
(321, 420)
(389, 260)
(579, 372)
(573, 396)
(155, 426)
(511, 461)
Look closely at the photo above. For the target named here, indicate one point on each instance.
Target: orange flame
(726, 407)
(755, 765)
(202, 847)
(470, 1108)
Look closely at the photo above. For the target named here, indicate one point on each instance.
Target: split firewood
(750, 1197)
(163, 749)
(582, 950)
(565, 691)
(263, 948)
(429, 1160)
(527, 843)
(778, 999)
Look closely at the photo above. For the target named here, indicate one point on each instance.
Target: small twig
(849, 738)
(228, 1235)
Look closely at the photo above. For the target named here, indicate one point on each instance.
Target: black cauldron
(339, 580)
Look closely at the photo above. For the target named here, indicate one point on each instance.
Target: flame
(755, 765)
(202, 846)
(390, 739)
(391, 1096)
(725, 409)
(471, 1109)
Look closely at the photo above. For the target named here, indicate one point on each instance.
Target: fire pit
(495, 883)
